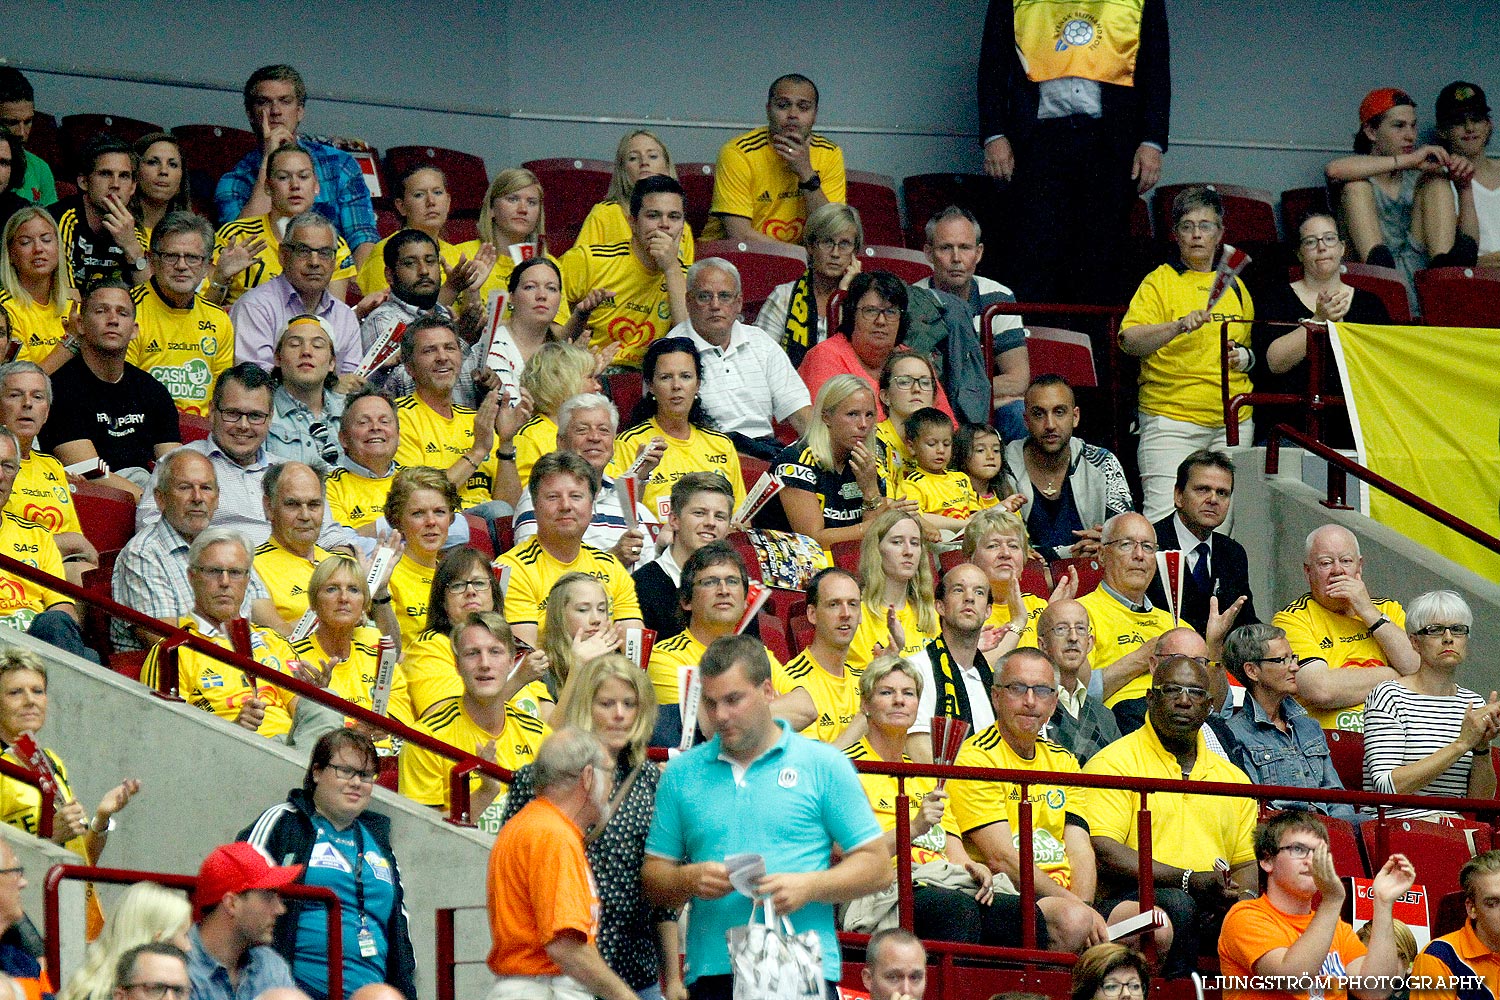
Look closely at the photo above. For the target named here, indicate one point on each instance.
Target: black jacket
(285, 832)
(1230, 578)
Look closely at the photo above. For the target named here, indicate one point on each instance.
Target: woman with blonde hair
(145, 912)
(899, 609)
(34, 287)
(513, 220)
(421, 505)
(639, 154)
(556, 372)
(612, 698)
(995, 541)
(795, 314)
(578, 628)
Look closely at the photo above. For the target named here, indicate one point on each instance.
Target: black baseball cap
(1459, 99)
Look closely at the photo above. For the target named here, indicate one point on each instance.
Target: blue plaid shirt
(343, 195)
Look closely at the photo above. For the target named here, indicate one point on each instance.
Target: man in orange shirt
(543, 906)
(1281, 935)
(1472, 951)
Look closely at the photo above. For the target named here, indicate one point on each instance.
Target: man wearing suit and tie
(1213, 564)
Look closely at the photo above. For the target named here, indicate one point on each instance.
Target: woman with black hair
(670, 411)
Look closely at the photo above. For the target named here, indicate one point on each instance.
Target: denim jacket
(1300, 758)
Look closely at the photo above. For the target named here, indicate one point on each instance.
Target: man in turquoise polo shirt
(757, 787)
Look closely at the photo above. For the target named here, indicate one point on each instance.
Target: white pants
(1164, 444)
(538, 988)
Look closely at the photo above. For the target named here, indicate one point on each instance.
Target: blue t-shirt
(332, 866)
(795, 802)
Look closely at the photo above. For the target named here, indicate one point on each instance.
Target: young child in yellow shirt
(945, 497)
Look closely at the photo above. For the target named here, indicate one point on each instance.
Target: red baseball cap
(239, 867)
(1378, 102)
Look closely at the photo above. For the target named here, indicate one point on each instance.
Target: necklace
(1050, 487)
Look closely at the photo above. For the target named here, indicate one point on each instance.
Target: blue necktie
(1200, 569)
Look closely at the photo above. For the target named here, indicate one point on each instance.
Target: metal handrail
(27, 776)
(178, 637)
(57, 874)
(1311, 397)
(1340, 465)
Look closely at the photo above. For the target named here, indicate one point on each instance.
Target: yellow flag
(1424, 403)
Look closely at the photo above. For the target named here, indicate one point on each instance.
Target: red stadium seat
(129, 663)
(1348, 753)
(214, 149)
(929, 194)
(76, 130)
(461, 230)
(1068, 353)
(464, 173)
(762, 267)
(106, 513)
(697, 180)
(1298, 203)
(625, 389)
(1090, 573)
(1343, 844)
(874, 197)
(775, 635)
(751, 469)
(1249, 213)
(1450, 913)
(1439, 851)
(1035, 579)
(191, 427)
(802, 632)
(43, 140)
(479, 535)
(910, 266)
(846, 556)
(95, 619)
(1459, 296)
(571, 188)
(1385, 283)
(784, 603)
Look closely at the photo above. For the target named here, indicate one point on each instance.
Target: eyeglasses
(842, 246)
(302, 251)
(353, 774)
(883, 312)
(1116, 988)
(723, 298)
(923, 382)
(1186, 228)
(232, 572)
(1063, 631)
(463, 586)
(1172, 692)
(1298, 851)
(1313, 242)
(1133, 545)
(1019, 690)
(1289, 660)
(1325, 563)
(715, 582)
(158, 990)
(254, 419)
(190, 259)
(1435, 630)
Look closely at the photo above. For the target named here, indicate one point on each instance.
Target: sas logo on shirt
(1130, 639)
(718, 459)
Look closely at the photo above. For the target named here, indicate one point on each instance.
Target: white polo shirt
(748, 384)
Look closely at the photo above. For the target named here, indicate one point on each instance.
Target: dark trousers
(951, 915)
(766, 448)
(57, 628)
(722, 988)
(1192, 927)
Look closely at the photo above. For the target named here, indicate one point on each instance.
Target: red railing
(1340, 466)
(1318, 360)
(27, 776)
(178, 638)
(57, 874)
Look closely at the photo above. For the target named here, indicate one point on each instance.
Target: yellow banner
(1424, 403)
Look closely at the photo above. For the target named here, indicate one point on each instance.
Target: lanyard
(359, 872)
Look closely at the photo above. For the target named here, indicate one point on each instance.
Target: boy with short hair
(946, 497)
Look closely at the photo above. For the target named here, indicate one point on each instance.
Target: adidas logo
(153, 346)
(430, 448)
(825, 719)
(356, 512)
(1325, 643)
(298, 590)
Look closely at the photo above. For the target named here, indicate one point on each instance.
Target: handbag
(774, 962)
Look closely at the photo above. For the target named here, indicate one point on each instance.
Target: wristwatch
(1375, 625)
(811, 185)
(140, 263)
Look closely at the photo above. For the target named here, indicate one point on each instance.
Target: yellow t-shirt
(751, 181)
(1000, 616)
(872, 631)
(357, 500)
(499, 279)
(703, 451)
(354, 677)
(431, 677)
(1187, 831)
(36, 325)
(881, 790)
(371, 276)
(641, 310)
(267, 263)
(21, 600)
(979, 803)
(411, 586)
(836, 698)
(533, 571)
(537, 437)
(1118, 631)
(1180, 379)
(428, 438)
(286, 575)
(681, 650)
(607, 223)
(947, 493)
(1341, 641)
(893, 445)
(214, 687)
(185, 350)
(424, 774)
(21, 804)
(41, 494)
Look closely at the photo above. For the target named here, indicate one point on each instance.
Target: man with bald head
(377, 991)
(1347, 641)
(294, 503)
(1188, 832)
(956, 676)
(1080, 723)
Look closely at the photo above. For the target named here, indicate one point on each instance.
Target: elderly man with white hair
(1347, 641)
(587, 424)
(748, 381)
